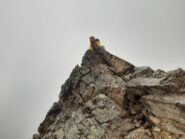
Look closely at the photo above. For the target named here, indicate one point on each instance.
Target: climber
(94, 43)
(98, 43)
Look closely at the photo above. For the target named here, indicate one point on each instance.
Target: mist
(41, 41)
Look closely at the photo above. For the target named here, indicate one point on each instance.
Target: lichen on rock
(109, 98)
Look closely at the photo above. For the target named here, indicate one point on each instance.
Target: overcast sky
(42, 40)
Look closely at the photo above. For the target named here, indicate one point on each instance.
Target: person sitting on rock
(94, 43)
(98, 43)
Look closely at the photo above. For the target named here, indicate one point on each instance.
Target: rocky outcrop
(109, 98)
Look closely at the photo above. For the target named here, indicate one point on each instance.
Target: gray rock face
(143, 72)
(108, 98)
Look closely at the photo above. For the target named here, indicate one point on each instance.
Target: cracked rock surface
(109, 98)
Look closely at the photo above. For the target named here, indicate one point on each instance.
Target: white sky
(42, 40)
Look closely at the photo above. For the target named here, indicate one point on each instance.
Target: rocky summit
(109, 98)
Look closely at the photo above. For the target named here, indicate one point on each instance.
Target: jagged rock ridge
(109, 98)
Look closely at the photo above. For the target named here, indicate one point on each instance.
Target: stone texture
(109, 98)
(143, 72)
